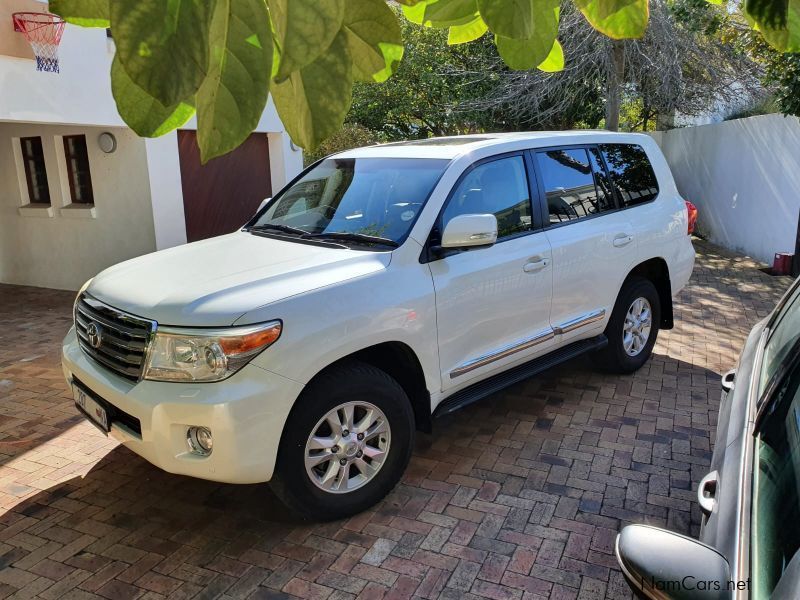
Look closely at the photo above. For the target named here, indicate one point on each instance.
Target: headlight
(206, 355)
(78, 297)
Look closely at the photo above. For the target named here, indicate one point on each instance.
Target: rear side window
(574, 183)
(631, 173)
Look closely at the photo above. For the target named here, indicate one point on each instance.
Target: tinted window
(35, 173)
(631, 173)
(80, 180)
(776, 502)
(574, 184)
(371, 196)
(500, 188)
(784, 335)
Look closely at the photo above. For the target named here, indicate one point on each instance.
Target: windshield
(378, 198)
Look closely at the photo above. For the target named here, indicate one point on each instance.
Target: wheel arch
(400, 362)
(657, 271)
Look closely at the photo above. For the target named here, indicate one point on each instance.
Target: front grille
(115, 339)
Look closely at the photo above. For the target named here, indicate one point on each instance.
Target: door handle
(622, 240)
(707, 492)
(533, 266)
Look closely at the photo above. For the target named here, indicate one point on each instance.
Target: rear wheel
(633, 327)
(346, 443)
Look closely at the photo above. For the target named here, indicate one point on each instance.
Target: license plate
(91, 408)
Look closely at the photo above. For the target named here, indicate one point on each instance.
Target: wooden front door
(221, 196)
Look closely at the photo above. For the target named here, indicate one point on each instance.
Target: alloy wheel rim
(347, 447)
(638, 323)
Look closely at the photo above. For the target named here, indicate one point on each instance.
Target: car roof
(455, 146)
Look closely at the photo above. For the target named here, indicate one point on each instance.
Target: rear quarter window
(631, 173)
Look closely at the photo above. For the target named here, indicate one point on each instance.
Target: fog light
(200, 440)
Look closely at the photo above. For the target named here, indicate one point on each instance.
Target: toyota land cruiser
(382, 287)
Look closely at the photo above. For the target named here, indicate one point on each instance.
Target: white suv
(383, 287)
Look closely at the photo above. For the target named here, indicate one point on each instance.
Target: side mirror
(470, 231)
(660, 564)
(263, 204)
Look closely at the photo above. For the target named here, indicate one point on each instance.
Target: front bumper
(245, 413)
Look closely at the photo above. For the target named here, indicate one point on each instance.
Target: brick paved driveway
(517, 497)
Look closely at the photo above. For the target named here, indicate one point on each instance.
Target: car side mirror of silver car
(470, 231)
(660, 564)
(263, 204)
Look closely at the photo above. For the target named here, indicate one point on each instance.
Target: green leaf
(461, 34)
(416, 12)
(373, 38)
(304, 30)
(518, 19)
(441, 13)
(85, 13)
(314, 101)
(140, 111)
(444, 13)
(554, 61)
(233, 96)
(618, 19)
(163, 45)
(524, 54)
(778, 22)
(717, 2)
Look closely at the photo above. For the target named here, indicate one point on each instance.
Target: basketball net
(43, 32)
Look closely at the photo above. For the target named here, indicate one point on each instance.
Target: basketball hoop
(43, 32)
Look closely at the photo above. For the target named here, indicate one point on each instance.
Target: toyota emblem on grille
(94, 333)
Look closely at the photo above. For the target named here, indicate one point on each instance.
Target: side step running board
(493, 384)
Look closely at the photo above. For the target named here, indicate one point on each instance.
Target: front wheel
(632, 329)
(346, 443)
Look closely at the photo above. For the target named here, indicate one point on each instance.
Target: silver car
(750, 500)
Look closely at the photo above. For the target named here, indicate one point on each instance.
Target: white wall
(166, 190)
(63, 247)
(744, 177)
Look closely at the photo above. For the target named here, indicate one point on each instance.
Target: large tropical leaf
(461, 34)
(141, 112)
(233, 96)
(528, 53)
(442, 13)
(86, 13)
(779, 22)
(618, 19)
(314, 101)
(163, 45)
(373, 38)
(554, 61)
(304, 30)
(517, 19)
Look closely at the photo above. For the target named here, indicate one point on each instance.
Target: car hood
(214, 282)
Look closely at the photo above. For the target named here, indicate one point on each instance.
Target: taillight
(692, 210)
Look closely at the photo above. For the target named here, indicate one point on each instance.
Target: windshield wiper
(278, 227)
(353, 237)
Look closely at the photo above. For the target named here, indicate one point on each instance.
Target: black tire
(614, 358)
(351, 382)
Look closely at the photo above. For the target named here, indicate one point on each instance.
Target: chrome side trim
(501, 353)
(578, 322)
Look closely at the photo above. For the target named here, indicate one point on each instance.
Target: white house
(79, 191)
